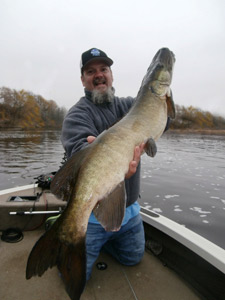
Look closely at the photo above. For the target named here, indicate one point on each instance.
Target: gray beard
(106, 97)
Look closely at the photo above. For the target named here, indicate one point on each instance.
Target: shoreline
(197, 131)
(170, 131)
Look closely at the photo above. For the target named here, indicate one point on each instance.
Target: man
(95, 112)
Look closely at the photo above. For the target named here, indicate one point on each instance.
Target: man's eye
(89, 72)
(105, 69)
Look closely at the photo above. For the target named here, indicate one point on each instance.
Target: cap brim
(107, 60)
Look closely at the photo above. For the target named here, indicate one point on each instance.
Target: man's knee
(131, 246)
(134, 257)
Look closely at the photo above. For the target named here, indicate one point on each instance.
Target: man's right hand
(91, 139)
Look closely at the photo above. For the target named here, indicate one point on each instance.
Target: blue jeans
(126, 245)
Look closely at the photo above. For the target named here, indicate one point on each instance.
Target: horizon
(42, 42)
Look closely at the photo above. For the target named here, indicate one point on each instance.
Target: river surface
(185, 181)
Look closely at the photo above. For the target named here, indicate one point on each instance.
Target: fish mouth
(165, 57)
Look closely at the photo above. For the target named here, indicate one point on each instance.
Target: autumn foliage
(194, 118)
(22, 109)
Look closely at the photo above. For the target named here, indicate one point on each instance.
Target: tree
(25, 110)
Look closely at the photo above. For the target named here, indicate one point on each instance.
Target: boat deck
(146, 281)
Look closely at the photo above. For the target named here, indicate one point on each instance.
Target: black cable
(12, 235)
(33, 209)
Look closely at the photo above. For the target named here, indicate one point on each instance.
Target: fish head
(165, 57)
(159, 74)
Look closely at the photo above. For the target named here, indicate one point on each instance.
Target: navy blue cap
(92, 54)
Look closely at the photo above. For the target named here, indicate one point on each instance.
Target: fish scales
(93, 178)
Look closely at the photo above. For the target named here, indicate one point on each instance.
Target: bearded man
(98, 110)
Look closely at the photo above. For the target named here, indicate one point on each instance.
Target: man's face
(97, 75)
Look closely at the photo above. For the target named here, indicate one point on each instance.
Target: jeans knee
(134, 258)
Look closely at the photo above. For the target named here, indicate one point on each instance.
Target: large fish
(90, 183)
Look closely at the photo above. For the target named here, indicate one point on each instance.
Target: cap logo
(95, 52)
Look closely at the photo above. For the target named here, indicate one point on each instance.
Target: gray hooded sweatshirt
(86, 118)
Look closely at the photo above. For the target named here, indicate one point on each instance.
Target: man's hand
(136, 159)
(91, 139)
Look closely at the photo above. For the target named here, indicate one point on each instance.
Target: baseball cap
(92, 54)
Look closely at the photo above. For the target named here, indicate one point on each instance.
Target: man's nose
(98, 74)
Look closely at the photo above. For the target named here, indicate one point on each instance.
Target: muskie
(93, 178)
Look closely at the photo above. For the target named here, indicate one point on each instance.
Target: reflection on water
(25, 155)
(185, 181)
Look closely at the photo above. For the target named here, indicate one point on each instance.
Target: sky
(41, 42)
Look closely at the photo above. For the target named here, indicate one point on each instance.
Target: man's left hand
(134, 163)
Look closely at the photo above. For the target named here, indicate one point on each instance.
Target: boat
(178, 264)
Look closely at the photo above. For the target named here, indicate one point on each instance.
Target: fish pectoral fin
(110, 210)
(171, 112)
(64, 181)
(150, 147)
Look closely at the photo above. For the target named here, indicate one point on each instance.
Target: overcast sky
(41, 42)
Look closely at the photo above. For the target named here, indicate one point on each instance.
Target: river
(185, 181)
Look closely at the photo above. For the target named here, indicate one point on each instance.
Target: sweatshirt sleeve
(85, 119)
(77, 126)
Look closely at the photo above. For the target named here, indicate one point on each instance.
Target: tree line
(23, 109)
(195, 118)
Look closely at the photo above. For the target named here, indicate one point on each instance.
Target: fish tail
(73, 269)
(70, 259)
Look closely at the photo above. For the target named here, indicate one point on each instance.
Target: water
(25, 155)
(185, 181)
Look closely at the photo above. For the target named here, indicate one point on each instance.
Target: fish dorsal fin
(110, 210)
(64, 181)
(171, 112)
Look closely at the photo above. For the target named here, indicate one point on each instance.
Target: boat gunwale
(18, 188)
(206, 249)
